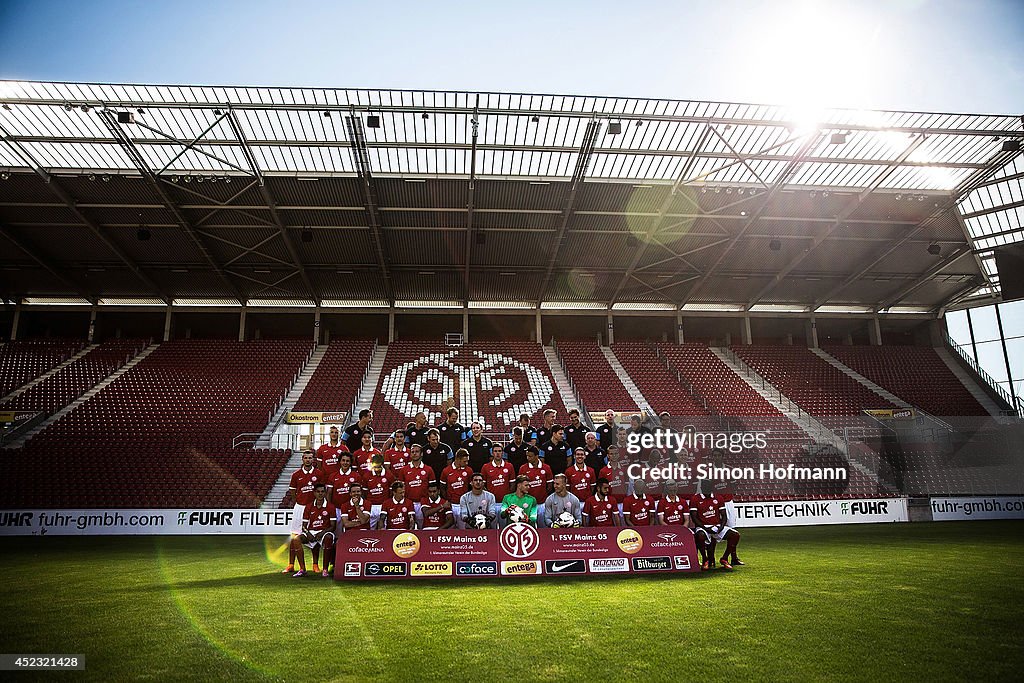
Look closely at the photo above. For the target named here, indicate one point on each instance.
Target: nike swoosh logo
(560, 567)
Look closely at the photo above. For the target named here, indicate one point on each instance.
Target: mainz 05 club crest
(471, 379)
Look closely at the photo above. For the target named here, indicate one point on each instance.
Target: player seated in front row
(318, 524)
(477, 505)
(708, 516)
(562, 507)
(520, 506)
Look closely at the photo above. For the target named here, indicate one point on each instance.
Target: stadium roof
(496, 200)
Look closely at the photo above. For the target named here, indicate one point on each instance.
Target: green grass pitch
(873, 602)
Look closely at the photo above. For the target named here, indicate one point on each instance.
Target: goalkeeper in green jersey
(520, 506)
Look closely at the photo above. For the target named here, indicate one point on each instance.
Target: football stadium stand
(334, 384)
(23, 361)
(74, 379)
(661, 387)
(915, 374)
(822, 390)
(160, 434)
(594, 379)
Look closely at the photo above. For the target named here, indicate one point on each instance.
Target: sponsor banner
(621, 416)
(802, 512)
(163, 522)
(479, 546)
(11, 416)
(892, 413)
(299, 417)
(516, 550)
(978, 507)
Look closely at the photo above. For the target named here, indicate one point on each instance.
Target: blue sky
(934, 55)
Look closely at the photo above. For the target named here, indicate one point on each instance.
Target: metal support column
(1006, 360)
(679, 328)
(167, 324)
(241, 325)
(745, 336)
(611, 330)
(811, 333)
(14, 323)
(874, 332)
(316, 325)
(92, 325)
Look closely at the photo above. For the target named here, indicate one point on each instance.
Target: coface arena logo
(472, 379)
(519, 540)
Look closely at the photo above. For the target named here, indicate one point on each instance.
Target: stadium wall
(715, 328)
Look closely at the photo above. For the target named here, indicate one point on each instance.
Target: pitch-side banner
(517, 550)
(979, 507)
(801, 512)
(143, 522)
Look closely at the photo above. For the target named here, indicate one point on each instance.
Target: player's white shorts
(457, 514)
(297, 512)
(316, 544)
(730, 514)
(374, 515)
(719, 531)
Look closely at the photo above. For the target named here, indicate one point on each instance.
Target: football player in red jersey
(708, 516)
(436, 511)
(365, 453)
(723, 491)
(318, 525)
(455, 482)
(356, 514)
(639, 509)
(328, 454)
(498, 475)
(397, 455)
(617, 476)
(300, 489)
(541, 481)
(673, 509)
(377, 481)
(416, 475)
(340, 481)
(601, 509)
(581, 478)
(398, 511)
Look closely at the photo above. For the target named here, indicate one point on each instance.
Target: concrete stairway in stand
(18, 443)
(562, 384)
(301, 381)
(60, 366)
(627, 382)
